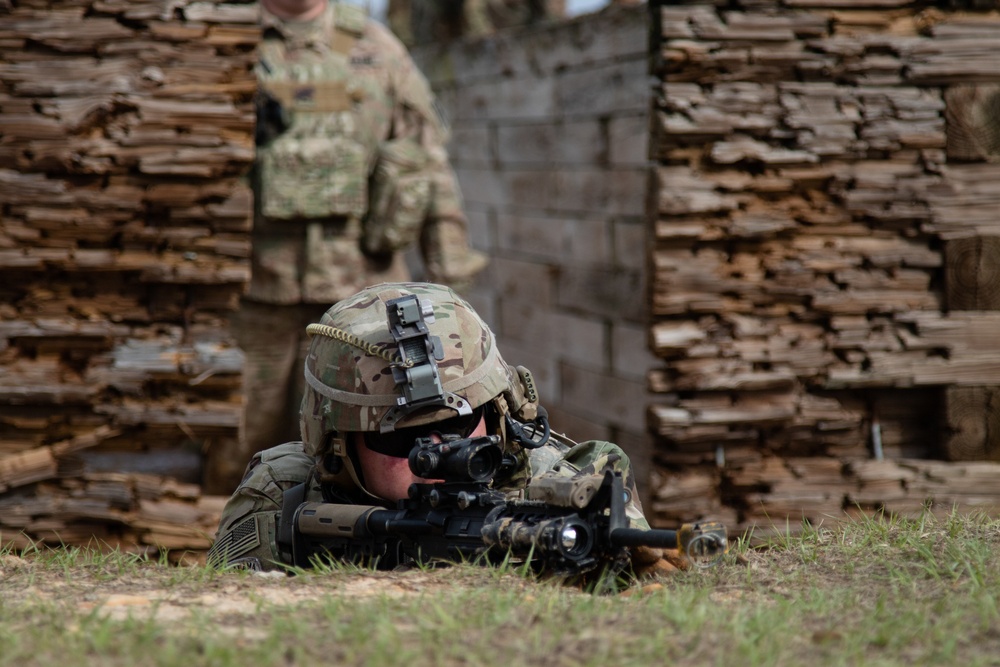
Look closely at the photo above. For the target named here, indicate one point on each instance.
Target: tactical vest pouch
(400, 197)
(313, 175)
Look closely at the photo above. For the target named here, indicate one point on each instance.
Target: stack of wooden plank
(126, 129)
(824, 227)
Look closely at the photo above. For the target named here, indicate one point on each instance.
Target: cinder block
(554, 240)
(527, 97)
(481, 228)
(535, 238)
(561, 336)
(630, 355)
(536, 187)
(551, 143)
(612, 192)
(580, 340)
(615, 87)
(543, 368)
(628, 140)
(608, 399)
(620, 191)
(481, 187)
(622, 32)
(471, 146)
(577, 427)
(630, 239)
(615, 294)
(529, 281)
(551, 47)
(587, 243)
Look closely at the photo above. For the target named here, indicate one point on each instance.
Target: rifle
(564, 526)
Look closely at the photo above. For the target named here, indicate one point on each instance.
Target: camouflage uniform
(351, 171)
(352, 389)
(247, 528)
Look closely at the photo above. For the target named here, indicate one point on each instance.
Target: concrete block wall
(550, 129)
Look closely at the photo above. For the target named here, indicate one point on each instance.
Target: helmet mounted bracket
(416, 373)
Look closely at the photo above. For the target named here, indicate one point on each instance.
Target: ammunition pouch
(316, 169)
(401, 190)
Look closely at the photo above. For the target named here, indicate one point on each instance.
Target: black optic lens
(398, 443)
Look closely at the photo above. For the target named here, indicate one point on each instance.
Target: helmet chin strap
(345, 471)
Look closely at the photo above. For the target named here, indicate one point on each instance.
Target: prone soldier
(366, 404)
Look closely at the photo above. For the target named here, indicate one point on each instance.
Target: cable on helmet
(370, 349)
(527, 433)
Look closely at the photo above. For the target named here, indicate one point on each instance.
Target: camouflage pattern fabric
(247, 528)
(350, 97)
(345, 100)
(352, 365)
(354, 390)
(587, 458)
(272, 340)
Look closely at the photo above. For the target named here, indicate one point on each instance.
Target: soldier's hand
(652, 562)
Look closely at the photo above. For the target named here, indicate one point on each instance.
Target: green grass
(872, 591)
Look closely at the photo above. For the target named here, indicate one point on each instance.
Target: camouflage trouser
(274, 340)
(247, 528)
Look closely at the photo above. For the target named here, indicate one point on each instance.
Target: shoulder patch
(232, 547)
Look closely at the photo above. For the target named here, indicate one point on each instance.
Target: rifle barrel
(389, 522)
(636, 537)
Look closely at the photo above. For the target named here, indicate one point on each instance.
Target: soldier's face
(389, 477)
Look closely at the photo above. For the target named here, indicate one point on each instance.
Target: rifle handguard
(334, 520)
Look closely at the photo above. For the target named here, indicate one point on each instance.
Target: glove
(650, 562)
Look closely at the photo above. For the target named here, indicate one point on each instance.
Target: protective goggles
(399, 443)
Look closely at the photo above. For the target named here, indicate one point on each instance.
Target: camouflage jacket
(247, 534)
(351, 166)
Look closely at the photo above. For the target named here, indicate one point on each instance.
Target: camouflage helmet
(398, 355)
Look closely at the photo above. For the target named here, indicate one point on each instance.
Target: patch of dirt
(176, 594)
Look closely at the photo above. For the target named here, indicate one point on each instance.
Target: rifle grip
(290, 501)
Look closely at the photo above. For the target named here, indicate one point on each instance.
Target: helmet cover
(357, 373)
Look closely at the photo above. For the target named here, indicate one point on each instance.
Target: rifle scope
(457, 460)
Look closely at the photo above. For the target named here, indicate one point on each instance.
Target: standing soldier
(351, 171)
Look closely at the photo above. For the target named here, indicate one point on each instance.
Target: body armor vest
(317, 161)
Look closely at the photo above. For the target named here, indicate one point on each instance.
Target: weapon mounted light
(703, 543)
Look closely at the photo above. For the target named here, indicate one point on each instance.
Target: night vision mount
(417, 371)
